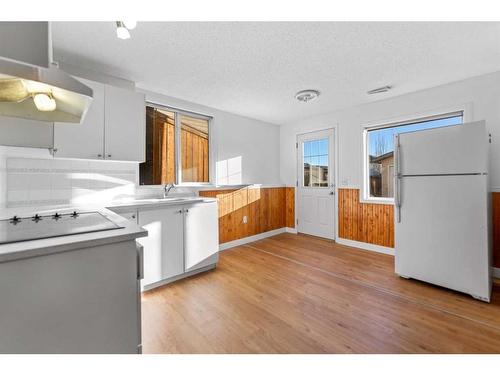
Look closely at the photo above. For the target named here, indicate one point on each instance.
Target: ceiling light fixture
(121, 31)
(44, 102)
(379, 90)
(307, 95)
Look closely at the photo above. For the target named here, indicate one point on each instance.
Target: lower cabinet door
(163, 247)
(201, 235)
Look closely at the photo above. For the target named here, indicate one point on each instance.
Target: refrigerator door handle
(397, 180)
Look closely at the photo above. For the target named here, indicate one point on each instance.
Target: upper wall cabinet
(113, 129)
(85, 140)
(25, 133)
(125, 126)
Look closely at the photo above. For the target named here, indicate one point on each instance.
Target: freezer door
(449, 150)
(442, 237)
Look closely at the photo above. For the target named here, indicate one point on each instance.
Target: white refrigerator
(442, 215)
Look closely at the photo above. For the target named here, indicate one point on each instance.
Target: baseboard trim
(496, 272)
(245, 240)
(366, 246)
(157, 284)
(291, 230)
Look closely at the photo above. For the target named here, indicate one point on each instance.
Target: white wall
(479, 96)
(246, 150)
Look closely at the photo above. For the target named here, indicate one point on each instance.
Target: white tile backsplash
(34, 182)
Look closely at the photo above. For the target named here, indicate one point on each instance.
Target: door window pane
(315, 161)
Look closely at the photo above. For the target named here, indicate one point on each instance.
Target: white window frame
(395, 123)
(211, 156)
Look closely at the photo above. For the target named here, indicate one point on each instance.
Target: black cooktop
(36, 227)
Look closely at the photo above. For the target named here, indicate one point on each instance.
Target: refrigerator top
(452, 150)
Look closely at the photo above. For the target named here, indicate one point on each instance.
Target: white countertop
(158, 202)
(130, 231)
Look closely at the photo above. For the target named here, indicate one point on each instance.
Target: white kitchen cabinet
(113, 129)
(85, 140)
(81, 301)
(130, 216)
(163, 247)
(201, 235)
(182, 240)
(125, 124)
(22, 132)
(126, 213)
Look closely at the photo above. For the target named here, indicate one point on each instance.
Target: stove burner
(36, 218)
(15, 220)
(53, 224)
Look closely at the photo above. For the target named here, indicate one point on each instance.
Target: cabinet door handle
(99, 155)
(187, 210)
(109, 155)
(179, 212)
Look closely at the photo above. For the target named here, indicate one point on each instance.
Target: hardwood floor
(300, 294)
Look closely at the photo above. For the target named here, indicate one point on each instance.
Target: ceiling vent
(307, 95)
(379, 90)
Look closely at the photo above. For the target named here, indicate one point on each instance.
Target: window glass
(380, 143)
(315, 161)
(194, 149)
(159, 167)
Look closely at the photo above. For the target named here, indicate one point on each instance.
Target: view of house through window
(162, 143)
(315, 163)
(380, 145)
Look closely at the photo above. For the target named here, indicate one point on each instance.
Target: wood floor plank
(289, 294)
(377, 270)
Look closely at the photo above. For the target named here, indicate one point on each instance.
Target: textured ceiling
(254, 69)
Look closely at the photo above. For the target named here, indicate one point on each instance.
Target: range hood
(32, 87)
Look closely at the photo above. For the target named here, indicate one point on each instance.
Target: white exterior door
(316, 184)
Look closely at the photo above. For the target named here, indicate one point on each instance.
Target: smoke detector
(307, 95)
(379, 90)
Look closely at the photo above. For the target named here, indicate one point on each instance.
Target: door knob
(332, 193)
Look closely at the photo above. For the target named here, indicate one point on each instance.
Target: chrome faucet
(167, 188)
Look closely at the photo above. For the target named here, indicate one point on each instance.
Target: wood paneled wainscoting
(265, 209)
(268, 209)
(365, 222)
